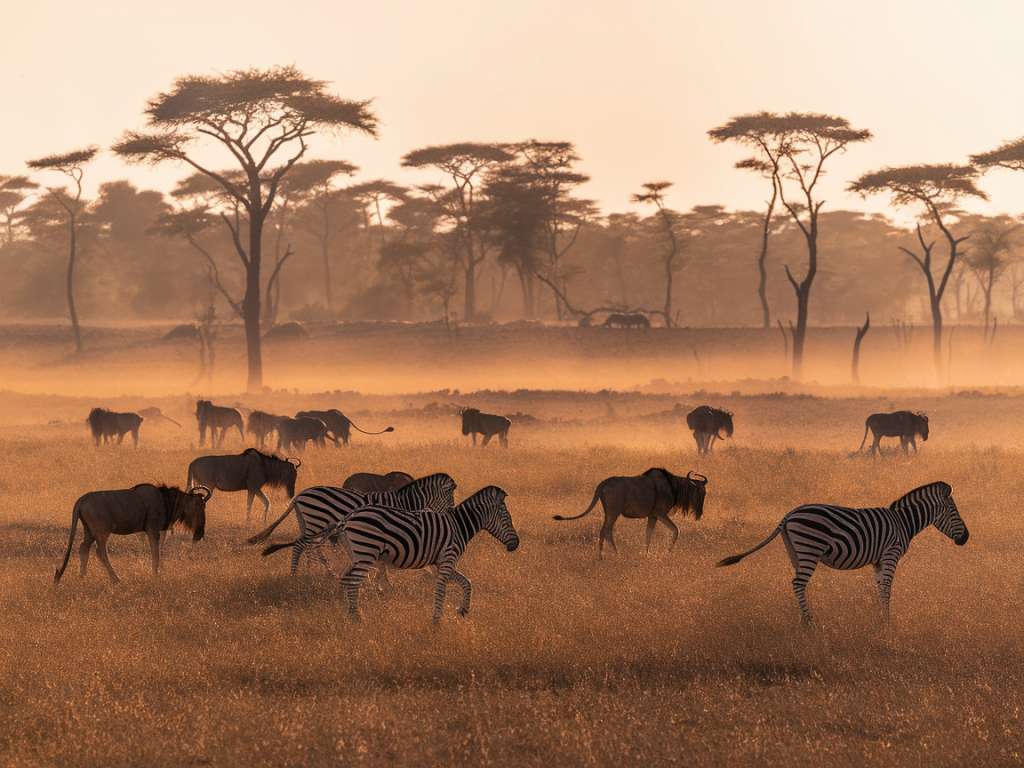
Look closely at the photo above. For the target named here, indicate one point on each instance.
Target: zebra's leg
(804, 564)
(884, 576)
(467, 590)
(297, 549)
(351, 581)
(444, 574)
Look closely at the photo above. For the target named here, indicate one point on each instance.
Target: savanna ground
(636, 659)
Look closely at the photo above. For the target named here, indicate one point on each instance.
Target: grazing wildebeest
(379, 534)
(293, 434)
(367, 482)
(655, 494)
(707, 424)
(105, 424)
(486, 424)
(635, 320)
(250, 471)
(146, 508)
(217, 417)
(155, 414)
(261, 424)
(338, 424)
(902, 424)
(845, 538)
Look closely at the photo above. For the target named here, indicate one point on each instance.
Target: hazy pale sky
(635, 85)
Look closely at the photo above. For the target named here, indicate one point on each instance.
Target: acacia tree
(794, 149)
(467, 164)
(70, 164)
(12, 195)
(937, 188)
(990, 255)
(654, 195)
(258, 117)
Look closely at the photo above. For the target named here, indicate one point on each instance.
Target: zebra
(845, 538)
(322, 507)
(417, 539)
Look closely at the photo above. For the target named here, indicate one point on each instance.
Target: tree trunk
(71, 294)
(469, 308)
(251, 303)
(855, 367)
(937, 339)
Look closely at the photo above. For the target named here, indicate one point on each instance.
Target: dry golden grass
(636, 659)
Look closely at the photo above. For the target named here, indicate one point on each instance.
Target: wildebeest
(846, 538)
(293, 434)
(250, 471)
(486, 424)
(261, 424)
(338, 424)
(707, 424)
(902, 424)
(146, 508)
(217, 417)
(655, 494)
(634, 320)
(105, 424)
(367, 482)
(155, 414)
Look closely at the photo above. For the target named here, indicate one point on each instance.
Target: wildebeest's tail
(275, 547)
(866, 428)
(357, 429)
(265, 534)
(736, 558)
(597, 495)
(71, 540)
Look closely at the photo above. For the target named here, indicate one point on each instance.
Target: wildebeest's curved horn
(209, 493)
(701, 477)
(293, 460)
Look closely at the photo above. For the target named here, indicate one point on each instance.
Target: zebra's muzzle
(513, 545)
(961, 540)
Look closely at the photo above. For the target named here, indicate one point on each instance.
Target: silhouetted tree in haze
(795, 148)
(937, 188)
(256, 116)
(654, 195)
(12, 195)
(70, 164)
(467, 164)
(991, 251)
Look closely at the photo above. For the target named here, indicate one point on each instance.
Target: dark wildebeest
(486, 424)
(902, 424)
(250, 471)
(105, 424)
(146, 508)
(707, 424)
(635, 320)
(655, 494)
(367, 482)
(155, 414)
(293, 434)
(261, 424)
(217, 417)
(338, 424)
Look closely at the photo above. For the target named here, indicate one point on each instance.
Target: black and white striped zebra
(377, 534)
(845, 538)
(324, 507)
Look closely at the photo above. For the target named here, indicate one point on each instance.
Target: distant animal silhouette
(260, 425)
(105, 424)
(155, 414)
(338, 424)
(846, 539)
(217, 417)
(902, 424)
(486, 424)
(250, 471)
(655, 494)
(635, 320)
(146, 508)
(293, 434)
(366, 482)
(708, 424)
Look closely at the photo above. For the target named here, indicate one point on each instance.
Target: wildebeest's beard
(280, 474)
(186, 508)
(697, 500)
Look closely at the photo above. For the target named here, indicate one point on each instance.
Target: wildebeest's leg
(474, 438)
(606, 530)
(83, 550)
(504, 439)
(120, 437)
(486, 440)
(101, 553)
(154, 549)
(467, 590)
(262, 497)
(135, 437)
(223, 433)
(875, 449)
(652, 520)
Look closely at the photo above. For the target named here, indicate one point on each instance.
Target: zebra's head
(933, 503)
(489, 503)
(948, 520)
(436, 492)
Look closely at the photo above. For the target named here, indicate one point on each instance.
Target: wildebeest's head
(698, 485)
(920, 423)
(687, 492)
(470, 417)
(187, 508)
(201, 408)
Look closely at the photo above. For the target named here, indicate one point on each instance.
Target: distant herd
(397, 520)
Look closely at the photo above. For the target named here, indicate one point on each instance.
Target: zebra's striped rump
(847, 538)
(404, 539)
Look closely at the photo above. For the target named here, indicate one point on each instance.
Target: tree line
(269, 233)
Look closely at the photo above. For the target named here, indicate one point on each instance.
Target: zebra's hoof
(462, 613)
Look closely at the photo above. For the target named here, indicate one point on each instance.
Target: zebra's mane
(944, 488)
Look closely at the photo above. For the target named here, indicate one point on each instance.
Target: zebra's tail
(597, 495)
(71, 540)
(732, 560)
(357, 429)
(265, 534)
(275, 547)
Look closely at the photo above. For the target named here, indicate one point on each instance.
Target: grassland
(642, 658)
